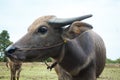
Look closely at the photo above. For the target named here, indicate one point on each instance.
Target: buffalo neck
(76, 55)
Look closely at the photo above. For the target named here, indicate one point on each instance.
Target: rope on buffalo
(43, 48)
(48, 47)
(57, 61)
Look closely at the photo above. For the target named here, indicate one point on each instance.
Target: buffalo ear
(76, 29)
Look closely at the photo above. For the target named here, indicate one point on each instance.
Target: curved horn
(63, 22)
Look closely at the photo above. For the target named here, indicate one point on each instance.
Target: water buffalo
(79, 51)
(15, 68)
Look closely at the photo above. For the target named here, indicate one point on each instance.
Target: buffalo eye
(42, 29)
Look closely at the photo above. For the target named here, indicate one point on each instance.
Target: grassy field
(38, 71)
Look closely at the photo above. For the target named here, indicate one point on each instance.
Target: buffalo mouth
(23, 58)
(14, 57)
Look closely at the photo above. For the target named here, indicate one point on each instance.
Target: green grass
(38, 71)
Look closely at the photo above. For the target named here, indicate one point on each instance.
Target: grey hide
(78, 51)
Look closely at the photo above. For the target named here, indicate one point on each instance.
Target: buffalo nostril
(10, 49)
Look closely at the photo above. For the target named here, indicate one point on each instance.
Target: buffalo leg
(18, 74)
(62, 74)
(13, 74)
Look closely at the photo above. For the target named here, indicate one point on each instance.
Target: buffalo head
(44, 39)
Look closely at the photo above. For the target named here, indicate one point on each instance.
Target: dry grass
(38, 71)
